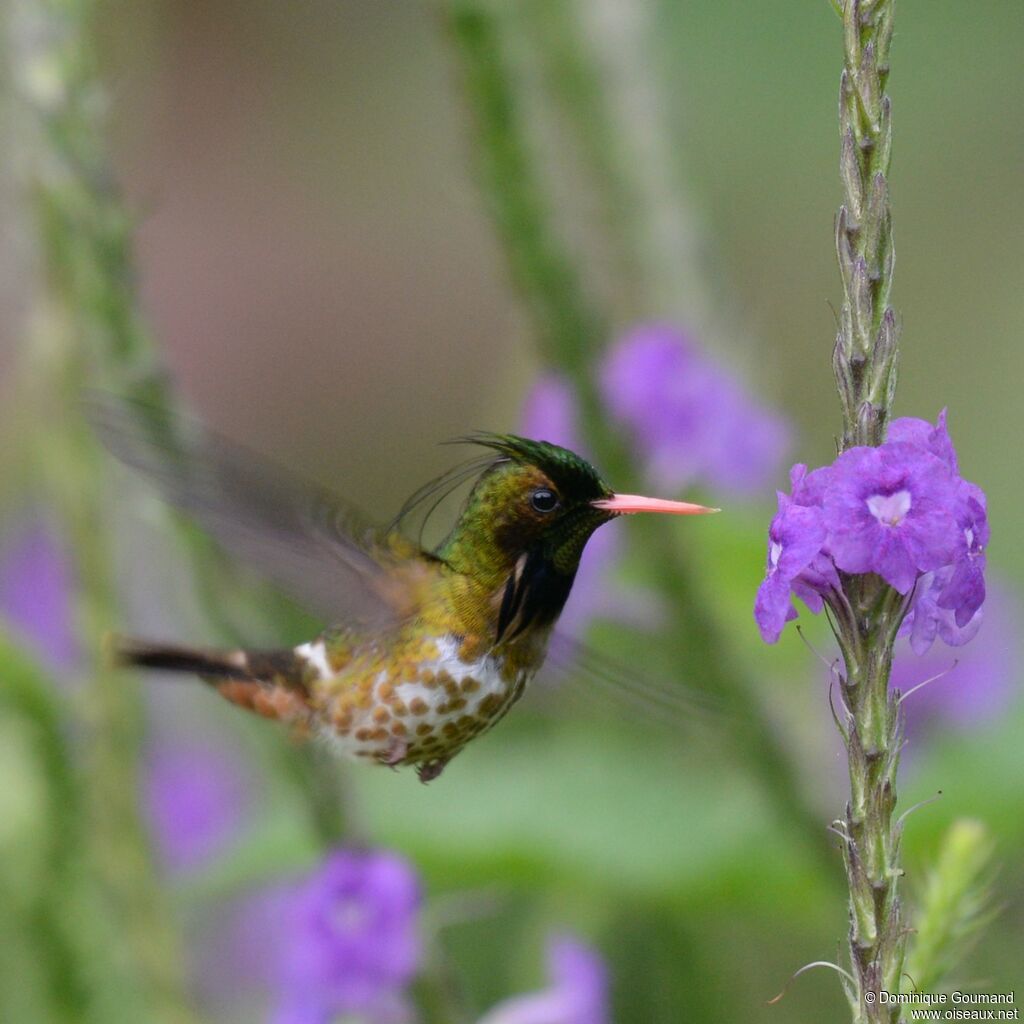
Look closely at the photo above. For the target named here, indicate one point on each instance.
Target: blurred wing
(580, 677)
(307, 540)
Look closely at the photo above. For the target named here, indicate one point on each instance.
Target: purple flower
(349, 942)
(196, 797)
(964, 591)
(892, 510)
(35, 593)
(900, 510)
(798, 556)
(550, 414)
(921, 434)
(978, 684)
(692, 421)
(577, 994)
(927, 618)
(795, 538)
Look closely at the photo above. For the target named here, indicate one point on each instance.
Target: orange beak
(626, 504)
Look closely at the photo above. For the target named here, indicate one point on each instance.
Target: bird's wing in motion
(578, 677)
(306, 539)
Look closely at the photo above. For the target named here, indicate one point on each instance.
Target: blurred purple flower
(550, 414)
(196, 797)
(975, 687)
(692, 421)
(36, 585)
(578, 993)
(899, 510)
(349, 942)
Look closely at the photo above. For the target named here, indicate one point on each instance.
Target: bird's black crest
(571, 473)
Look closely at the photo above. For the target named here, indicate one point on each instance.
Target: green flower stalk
(865, 362)
(866, 353)
(87, 329)
(869, 611)
(596, 57)
(889, 535)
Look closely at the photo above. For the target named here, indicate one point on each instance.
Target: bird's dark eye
(544, 500)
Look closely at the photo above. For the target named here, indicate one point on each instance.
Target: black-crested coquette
(428, 649)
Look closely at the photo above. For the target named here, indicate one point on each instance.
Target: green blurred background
(317, 266)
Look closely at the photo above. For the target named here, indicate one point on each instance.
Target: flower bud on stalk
(863, 235)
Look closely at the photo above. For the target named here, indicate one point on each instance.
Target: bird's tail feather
(277, 667)
(270, 683)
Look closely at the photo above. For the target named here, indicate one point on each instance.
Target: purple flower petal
(892, 511)
(922, 434)
(795, 539)
(928, 618)
(196, 797)
(975, 686)
(36, 585)
(350, 942)
(809, 487)
(550, 414)
(899, 510)
(300, 1010)
(578, 993)
(691, 420)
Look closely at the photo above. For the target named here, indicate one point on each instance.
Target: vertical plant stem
(865, 361)
(86, 326)
(866, 351)
(571, 332)
(568, 327)
(27, 698)
(598, 65)
(89, 332)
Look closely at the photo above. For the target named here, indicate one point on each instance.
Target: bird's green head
(527, 519)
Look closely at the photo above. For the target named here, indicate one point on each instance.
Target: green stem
(865, 361)
(568, 327)
(866, 353)
(88, 328)
(597, 60)
(114, 715)
(92, 324)
(571, 332)
(87, 322)
(28, 698)
(871, 849)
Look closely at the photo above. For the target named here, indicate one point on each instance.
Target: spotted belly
(418, 709)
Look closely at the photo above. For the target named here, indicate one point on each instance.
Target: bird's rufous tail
(269, 682)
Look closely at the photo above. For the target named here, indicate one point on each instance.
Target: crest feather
(571, 473)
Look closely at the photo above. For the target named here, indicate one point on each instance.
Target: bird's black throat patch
(534, 595)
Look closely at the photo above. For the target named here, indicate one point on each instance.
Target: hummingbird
(427, 649)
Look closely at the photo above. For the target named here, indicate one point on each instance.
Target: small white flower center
(889, 509)
(773, 553)
(348, 915)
